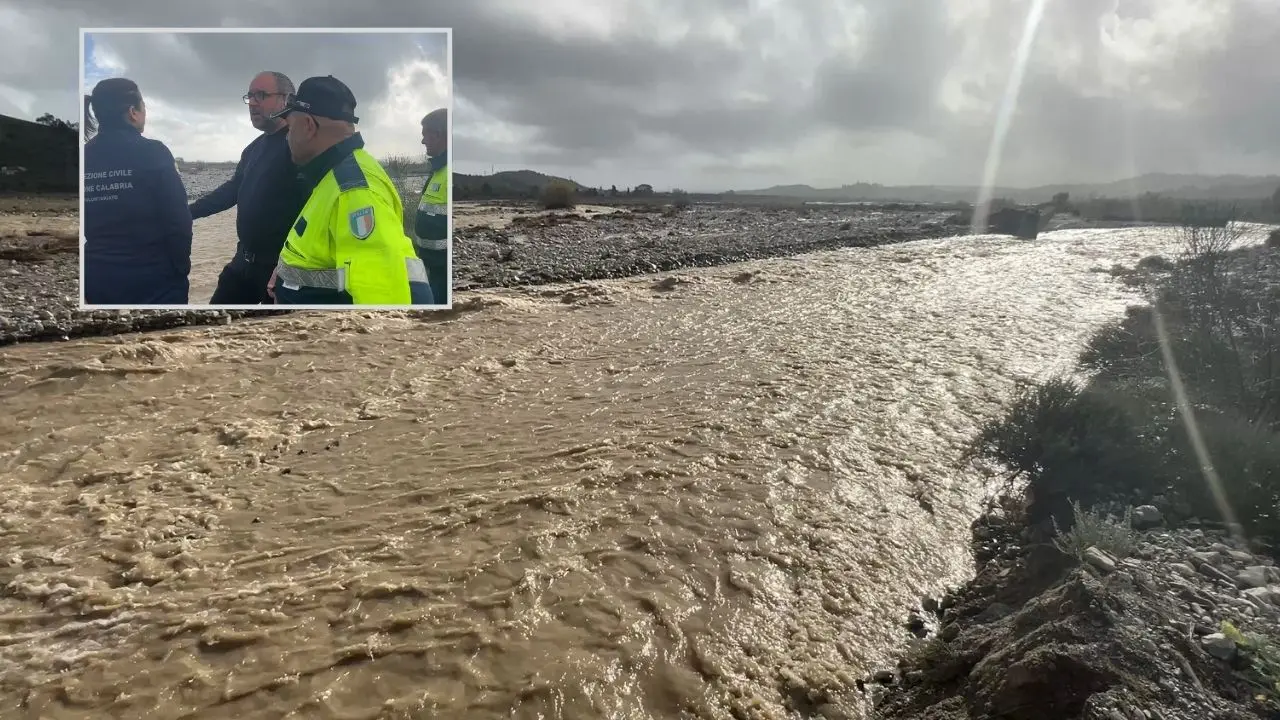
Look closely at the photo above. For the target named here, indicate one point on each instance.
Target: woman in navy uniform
(137, 226)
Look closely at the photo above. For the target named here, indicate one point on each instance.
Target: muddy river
(710, 494)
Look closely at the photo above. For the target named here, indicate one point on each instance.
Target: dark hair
(111, 101)
(90, 125)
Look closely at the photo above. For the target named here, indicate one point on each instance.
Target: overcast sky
(193, 83)
(715, 94)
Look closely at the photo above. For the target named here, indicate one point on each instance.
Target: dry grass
(1093, 529)
(400, 169)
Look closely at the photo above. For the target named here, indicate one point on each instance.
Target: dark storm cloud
(208, 72)
(1058, 130)
(804, 88)
(894, 81)
(1239, 86)
(1195, 107)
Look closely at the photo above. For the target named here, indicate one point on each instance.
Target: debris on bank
(1114, 620)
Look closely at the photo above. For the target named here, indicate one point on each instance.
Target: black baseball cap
(325, 96)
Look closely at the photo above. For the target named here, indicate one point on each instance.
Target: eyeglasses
(291, 105)
(258, 95)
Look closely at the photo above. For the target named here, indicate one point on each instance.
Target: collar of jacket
(439, 161)
(120, 127)
(315, 170)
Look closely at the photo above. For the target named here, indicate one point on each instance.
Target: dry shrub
(558, 195)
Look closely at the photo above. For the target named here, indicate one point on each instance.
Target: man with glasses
(267, 195)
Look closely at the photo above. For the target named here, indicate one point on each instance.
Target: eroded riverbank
(711, 493)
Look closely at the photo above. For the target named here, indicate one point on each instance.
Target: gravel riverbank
(39, 294)
(572, 247)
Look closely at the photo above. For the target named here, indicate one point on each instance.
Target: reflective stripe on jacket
(348, 244)
(431, 226)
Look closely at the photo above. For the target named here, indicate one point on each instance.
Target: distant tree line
(487, 191)
(49, 120)
(1157, 208)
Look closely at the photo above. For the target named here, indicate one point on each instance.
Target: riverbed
(710, 493)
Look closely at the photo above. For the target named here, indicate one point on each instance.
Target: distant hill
(38, 158)
(529, 183)
(1180, 186)
(505, 184)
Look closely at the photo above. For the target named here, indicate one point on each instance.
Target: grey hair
(283, 83)
(436, 120)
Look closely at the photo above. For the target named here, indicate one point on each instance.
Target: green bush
(1127, 349)
(1245, 460)
(1125, 435)
(1069, 442)
(558, 195)
(1263, 656)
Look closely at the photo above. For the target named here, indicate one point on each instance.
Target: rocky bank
(39, 293)
(1162, 627)
(572, 247)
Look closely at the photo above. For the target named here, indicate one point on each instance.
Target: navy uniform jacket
(267, 193)
(137, 226)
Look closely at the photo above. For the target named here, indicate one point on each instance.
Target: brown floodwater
(707, 494)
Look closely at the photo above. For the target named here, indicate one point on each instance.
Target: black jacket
(267, 194)
(136, 224)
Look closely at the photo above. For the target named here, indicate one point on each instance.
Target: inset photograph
(271, 167)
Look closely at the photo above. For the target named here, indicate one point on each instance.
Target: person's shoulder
(157, 149)
(254, 143)
(350, 175)
(270, 140)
